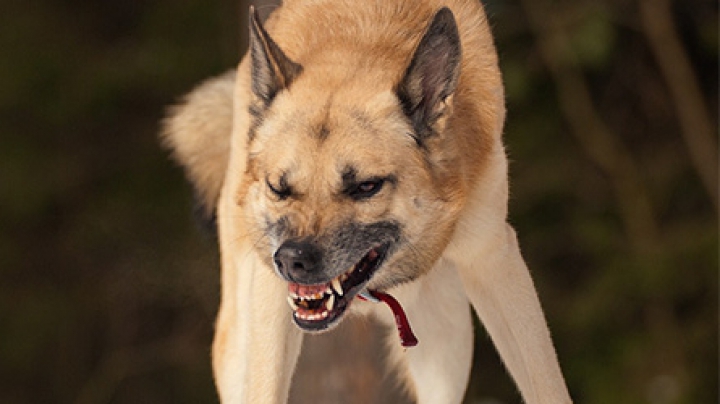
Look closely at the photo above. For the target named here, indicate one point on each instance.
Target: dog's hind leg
(499, 286)
(439, 366)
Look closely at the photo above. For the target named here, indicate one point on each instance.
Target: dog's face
(343, 189)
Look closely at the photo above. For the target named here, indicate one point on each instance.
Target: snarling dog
(357, 151)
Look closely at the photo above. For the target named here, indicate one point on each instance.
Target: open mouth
(316, 307)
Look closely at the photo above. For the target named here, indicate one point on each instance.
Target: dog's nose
(297, 260)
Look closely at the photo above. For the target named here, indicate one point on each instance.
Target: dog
(357, 152)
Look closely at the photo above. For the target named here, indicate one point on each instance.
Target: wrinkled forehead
(332, 134)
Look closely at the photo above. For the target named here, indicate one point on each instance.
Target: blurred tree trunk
(602, 145)
(697, 126)
(605, 148)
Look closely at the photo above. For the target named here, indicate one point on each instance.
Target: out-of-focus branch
(606, 149)
(599, 142)
(696, 125)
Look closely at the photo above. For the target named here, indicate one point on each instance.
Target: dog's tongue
(407, 338)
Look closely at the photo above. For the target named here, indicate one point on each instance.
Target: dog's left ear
(271, 70)
(432, 76)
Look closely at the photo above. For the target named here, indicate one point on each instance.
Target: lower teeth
(308, 309)
(312, 317)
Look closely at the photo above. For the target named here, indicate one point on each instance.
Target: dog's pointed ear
(271, 70)
(432, 76)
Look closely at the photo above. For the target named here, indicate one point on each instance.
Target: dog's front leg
(500, 289)
(439, 366)
(256, 344)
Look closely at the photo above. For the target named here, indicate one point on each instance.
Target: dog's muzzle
(316, 306)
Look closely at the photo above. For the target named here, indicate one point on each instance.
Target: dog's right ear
(198, 131)
(271, 70)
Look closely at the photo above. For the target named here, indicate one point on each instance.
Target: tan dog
(358, 150)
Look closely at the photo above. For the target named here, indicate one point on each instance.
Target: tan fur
(201, 144)
(450, 197)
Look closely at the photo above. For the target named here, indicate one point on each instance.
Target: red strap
(407, 338)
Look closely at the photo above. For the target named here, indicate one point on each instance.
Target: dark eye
(367, 189)
(282, 191)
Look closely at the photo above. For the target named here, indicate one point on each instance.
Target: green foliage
(594, 38)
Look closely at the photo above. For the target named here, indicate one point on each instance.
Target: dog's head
(350, 180)
(342, 181)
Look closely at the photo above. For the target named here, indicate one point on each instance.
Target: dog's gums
(316, 307)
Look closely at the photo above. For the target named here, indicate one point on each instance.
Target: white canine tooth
(330, 304)
(291, 301)
(337, 286)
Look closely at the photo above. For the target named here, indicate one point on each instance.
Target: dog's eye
(282, 191)
(366, 189)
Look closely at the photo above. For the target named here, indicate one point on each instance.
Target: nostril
(297, 258)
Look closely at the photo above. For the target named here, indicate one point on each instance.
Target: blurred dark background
(108, 290)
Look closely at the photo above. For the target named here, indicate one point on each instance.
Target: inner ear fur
(271, 69)
(197, 131)
(432, 76)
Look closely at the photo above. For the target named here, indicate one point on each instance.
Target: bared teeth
(317, 296)
(337, 286)
(330, 303)
(317, 302)
(312, 316)
(292, 303)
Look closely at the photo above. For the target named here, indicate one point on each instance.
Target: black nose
(298, 260)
